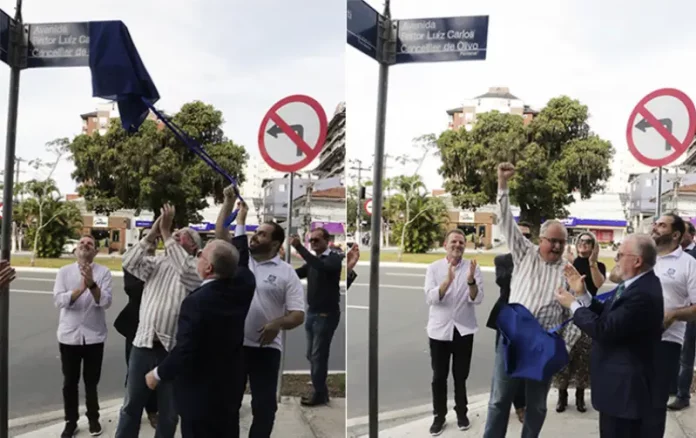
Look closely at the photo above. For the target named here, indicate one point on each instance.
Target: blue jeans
(686, 372)
(141, 362)
(503, 390)
(320, 328)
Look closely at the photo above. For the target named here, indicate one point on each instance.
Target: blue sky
(240, 56)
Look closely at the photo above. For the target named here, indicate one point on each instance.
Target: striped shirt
(168, 278)
(534, 281)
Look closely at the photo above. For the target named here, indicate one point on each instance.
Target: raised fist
(505, 171)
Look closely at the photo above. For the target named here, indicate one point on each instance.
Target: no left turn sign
(661, 127)
(292, 133)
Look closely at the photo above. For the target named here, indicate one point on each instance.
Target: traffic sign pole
(16, 39)
(658, 206)
(288, 258)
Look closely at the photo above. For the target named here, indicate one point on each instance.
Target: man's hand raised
(505, 172)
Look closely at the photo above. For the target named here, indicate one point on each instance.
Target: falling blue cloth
(118, 73)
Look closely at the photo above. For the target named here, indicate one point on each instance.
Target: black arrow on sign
(667, 123)
(299, 130)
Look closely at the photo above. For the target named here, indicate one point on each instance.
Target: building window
(281, 188)
(116, 236)
(648, 183)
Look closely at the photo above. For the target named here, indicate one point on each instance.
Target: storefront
(111, 232)
(477, 226)
(606, 230)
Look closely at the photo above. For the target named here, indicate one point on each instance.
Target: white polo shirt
(278, 291)
(456, 309)
(677, 273)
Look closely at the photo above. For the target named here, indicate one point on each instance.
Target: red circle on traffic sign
(310, 153)
(368, 202)
(678, 146)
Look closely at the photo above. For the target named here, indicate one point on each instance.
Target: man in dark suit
(626, 332)
(323, 274)
(206, 364)
(126, 323)
(503, 276)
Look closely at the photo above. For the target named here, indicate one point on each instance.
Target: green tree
(418, 219)
(152, 167)
(554, 155)
(49, 220)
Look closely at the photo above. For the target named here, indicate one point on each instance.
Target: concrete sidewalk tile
(291, 420)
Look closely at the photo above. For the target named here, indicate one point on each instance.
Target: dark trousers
(320, 329)
(262, 366)
(73, 358)
(151, 406)
(459, 349)
(520, 401)
(141, 362)
(208, 428)
(686, 370)
(667, 375)
(614, 427)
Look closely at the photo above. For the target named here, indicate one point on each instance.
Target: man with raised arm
(278, 304)
(168, 278)
(537, 273)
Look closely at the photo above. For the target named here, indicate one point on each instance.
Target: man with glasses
(168, 278)
(686, 371)
(503, 276)
(323, 274)
(537, 273)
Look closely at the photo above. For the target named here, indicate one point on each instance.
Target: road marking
(351, 306)
(390, 286)
(48, 280)
(404, 274)
(37, 292)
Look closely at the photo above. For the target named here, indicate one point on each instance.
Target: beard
(662, 239)
(260, 248)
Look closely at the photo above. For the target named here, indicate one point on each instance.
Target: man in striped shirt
(168, 278)
(537, 273)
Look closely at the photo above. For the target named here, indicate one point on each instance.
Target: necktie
(619, 291)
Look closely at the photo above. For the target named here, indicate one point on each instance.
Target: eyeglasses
(313, 240)
(552, 241)
(620, 255)
(586, 241)
(527, 235)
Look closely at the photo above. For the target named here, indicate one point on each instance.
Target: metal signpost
(660, 129)
(392, 42)
(291, 135)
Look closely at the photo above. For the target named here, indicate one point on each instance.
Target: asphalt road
(404, 358)
(35, 375)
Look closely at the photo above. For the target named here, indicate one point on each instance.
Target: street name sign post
(291, 135)
(660, 129)
(5, 22)
(391, 42)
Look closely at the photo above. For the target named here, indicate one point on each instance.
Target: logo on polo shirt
(271, 279)
(671, 272)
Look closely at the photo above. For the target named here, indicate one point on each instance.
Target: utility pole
(358, 202)
(15, 55)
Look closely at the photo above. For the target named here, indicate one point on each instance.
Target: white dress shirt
(456, 308)
(84, 321)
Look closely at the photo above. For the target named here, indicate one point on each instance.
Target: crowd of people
(202, 321)
(633, 350)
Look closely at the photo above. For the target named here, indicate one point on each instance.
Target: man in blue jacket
(626, 332)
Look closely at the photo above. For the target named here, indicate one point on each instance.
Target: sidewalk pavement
(569, 424)
(292, 419)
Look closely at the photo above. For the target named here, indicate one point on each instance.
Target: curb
(475, 402)
(416, 266)
(46, 417)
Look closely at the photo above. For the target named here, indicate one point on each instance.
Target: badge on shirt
(671, 272)
(271, 279)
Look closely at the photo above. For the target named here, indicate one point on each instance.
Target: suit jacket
(126, 322)
(352, 275)
(503, 276)
(626, 335)
(206, 364)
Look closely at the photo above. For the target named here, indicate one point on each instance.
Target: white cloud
(238, 55)
(606, 54)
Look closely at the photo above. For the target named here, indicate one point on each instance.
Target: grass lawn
(484, 259)
(297, 385)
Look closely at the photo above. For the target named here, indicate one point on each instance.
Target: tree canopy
(152, 167)
(555, 155)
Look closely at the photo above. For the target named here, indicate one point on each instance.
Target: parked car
(70, 246)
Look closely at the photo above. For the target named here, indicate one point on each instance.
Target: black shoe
(315, 400)
(95, 428)
(70, 430)
(463, 423)
(678, 404)
(580, 400)
(562, 400)
(438, 426)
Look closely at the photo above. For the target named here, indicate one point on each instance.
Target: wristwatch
(92, 286)
(471, 283)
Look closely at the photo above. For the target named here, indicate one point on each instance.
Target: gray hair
(193, 234)
(548, 224)
(224, 258)
(645, 248)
